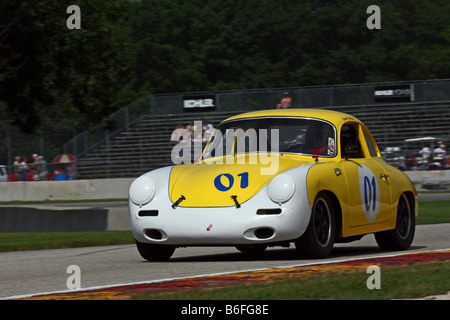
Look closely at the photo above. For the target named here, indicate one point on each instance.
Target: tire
(318, 239)
(154, 252)
(255, 249)
(402, 236)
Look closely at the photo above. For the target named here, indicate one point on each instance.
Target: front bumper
(258, 220)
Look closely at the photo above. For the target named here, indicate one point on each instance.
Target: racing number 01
(370, 193)
(222, 187)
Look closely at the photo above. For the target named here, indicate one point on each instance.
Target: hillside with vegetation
(52, 76)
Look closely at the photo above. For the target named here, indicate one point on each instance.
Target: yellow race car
(270, 178)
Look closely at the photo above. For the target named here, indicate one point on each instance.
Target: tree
(48, 70)
(128, 49)
(182, 44)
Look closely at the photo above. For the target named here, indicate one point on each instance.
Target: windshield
(280, 135)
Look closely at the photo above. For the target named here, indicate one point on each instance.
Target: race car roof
(334, 117)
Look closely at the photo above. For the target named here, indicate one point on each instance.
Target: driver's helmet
(317, 138)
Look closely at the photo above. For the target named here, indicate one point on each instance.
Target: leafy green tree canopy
(49, 70)
(126, 50)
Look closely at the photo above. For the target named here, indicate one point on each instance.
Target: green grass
(412, 281)
(16, 202)
(16, 241)
(429, 212)
(433, 212)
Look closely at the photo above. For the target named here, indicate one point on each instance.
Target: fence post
(8, 152)
(108, 159)
(127, 118)
(86, 142)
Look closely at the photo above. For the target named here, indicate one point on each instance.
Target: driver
(317, 139)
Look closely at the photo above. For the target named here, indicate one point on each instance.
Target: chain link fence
(394, 112)
(338, 97)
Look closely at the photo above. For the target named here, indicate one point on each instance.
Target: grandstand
(144, 146)
(141, 142)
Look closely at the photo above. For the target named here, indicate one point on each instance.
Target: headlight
(142, 190)
(281, 188)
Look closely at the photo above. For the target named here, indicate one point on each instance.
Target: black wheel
(154, 252)
(402, 236)
(252, 249)
(318, 239)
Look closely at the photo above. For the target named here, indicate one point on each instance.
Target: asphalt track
(29, 273)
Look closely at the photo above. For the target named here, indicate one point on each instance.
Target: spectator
(71, 170)
(17, 168)
(179, 134)
(34, 164)
(440, 151)
(285, 102)
(425, 153)
(25, 168)
(191, 129)
(41, 169)
(209, 128)
(60, 174)
(439, 154)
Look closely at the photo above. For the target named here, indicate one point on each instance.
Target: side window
(350, 146)
(370, 146)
